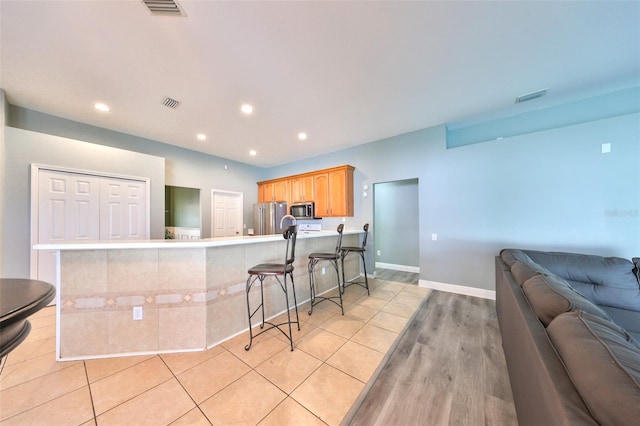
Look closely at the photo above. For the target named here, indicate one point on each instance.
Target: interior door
(69, 210)
(122, 209)
(227, 214)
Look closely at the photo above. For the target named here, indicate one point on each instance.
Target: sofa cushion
(603, 363)
(522, 271)
(625, 318)
(550, 296)
(511, 256)
(608, 281)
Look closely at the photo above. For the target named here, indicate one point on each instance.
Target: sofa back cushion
(522, 271)
(608, 281)
(550, 296)
(603, 363)
(511, 256)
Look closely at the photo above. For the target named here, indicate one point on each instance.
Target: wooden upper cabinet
(321, 194)
(330, 189)
(281, 190)
(302, 188)
(333, 192)
(277, 190)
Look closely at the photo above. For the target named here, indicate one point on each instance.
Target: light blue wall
(548, 190)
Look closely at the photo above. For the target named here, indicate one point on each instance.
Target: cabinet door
(265, 192)
(281, 190)
(321, 194)
(337, 193)
(302, 189)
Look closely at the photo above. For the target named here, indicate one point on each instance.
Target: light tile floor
(316, 384)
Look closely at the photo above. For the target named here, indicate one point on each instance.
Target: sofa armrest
(542, 390)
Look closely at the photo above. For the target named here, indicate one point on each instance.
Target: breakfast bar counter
(189, 295)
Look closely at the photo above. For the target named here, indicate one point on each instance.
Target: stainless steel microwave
(304, 210)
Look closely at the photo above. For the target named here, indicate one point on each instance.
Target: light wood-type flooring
(447, 368)
(398, 276)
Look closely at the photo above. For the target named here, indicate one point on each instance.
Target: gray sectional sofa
(570, 326)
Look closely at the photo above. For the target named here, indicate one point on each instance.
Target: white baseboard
(459, 289)
(403, 268)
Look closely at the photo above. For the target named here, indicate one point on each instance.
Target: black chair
(259, 272)
(361, 251)
(332, 258)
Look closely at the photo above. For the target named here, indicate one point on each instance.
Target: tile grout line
(185, 390)
(93, 407)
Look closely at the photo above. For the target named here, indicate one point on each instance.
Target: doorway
(182, 213)
(396, 230)
(226, 213)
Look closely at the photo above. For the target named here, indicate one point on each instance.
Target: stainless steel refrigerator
(267, 217)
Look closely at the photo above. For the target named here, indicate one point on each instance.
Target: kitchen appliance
(267, 217)
(304, 210)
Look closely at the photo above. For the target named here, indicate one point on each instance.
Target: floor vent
(170, 103)
(164, 7)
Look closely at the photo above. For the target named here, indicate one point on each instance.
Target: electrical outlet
(378, 252)
(137, 313)
(323, 270)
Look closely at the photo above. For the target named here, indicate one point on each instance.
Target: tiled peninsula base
(192, 294)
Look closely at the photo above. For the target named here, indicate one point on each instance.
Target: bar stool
(332, 258)
(259, 272)
(360, 250)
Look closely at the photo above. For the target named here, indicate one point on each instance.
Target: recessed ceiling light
(102, 107)
(247, 109)
(302, 136)
(252, 153)
(201, 137)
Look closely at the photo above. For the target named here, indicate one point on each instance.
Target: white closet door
(123, 209)
(68, 211)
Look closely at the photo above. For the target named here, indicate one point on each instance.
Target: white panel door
(68, 207)
(123, 209)
(227, 214)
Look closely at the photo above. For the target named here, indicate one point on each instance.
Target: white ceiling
(345, 72)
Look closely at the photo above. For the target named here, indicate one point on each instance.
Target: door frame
(35, 208)
(240, 214)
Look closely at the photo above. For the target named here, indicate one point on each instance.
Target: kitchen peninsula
(192, 292)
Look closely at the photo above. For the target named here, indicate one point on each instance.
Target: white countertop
(203, 243)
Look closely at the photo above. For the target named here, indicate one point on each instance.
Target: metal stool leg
(312, 284)
(335, 265)
(260, 307)
(364, 266)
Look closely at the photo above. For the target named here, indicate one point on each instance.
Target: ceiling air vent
(530, 96)
(164, 7)
(170, 103)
